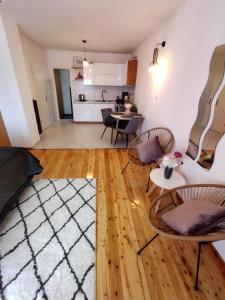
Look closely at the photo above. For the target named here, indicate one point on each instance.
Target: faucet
(103, 91)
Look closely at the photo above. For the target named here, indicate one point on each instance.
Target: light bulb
(85, 62)
(153, 67)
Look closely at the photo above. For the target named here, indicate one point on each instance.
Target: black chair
(108, 121)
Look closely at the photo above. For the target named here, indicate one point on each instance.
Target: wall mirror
(209, 125)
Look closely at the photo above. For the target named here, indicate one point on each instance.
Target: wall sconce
(154, 64)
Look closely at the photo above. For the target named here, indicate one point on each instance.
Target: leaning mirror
(209, 126)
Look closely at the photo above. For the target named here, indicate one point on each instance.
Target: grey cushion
(150, 151)
(193, 216)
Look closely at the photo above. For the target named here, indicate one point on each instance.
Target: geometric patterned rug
(48, 240)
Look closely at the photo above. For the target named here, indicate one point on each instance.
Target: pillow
(150, 151)
(191, 217)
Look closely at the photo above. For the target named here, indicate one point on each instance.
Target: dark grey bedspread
(17, 167)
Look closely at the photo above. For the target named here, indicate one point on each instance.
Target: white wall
(171, 98)
(15, 93)
(64, 60)
(37, 70)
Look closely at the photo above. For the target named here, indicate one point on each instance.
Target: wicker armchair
(207, 192)
(166, 140)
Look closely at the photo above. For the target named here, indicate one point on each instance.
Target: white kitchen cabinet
(105, 69)
(95, 113)
(125, 73)
(81, 112)
(88, 74)
(106, 74)
(106, 79)
(89, 112)
(119, 75)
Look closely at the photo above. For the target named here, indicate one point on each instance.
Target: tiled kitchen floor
(65, 134)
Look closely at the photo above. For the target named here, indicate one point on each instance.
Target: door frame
(56, 104)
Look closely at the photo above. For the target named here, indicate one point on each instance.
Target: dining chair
(131, 128)
(213, 193)
(108, 121)
(166, 140)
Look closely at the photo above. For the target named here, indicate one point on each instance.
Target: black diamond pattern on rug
(47, 242)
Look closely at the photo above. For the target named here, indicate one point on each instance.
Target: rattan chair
(211, 233)
(166, 140)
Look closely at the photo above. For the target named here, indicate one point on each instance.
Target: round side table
(158, 179)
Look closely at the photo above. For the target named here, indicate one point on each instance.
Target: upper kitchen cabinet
(130, 72)
(105, 74)
(104, 79)
(109, 74)
(105, 69)
(119, 75)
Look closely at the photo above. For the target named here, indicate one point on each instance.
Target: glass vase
(168, 172)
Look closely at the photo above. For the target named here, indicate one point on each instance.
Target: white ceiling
(118, 26)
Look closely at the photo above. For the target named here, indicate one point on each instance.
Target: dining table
(125, 117)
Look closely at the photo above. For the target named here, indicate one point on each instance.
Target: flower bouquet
(171, 161)
(127, 108)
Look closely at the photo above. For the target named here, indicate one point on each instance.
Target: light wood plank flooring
(166, 269)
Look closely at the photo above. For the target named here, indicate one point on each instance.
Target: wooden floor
(166, 269)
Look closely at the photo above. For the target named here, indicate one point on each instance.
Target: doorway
(63, 90)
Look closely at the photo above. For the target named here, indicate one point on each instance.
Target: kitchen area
(104, 85)
(88, 89)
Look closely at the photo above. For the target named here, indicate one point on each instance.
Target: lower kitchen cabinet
(89, 112)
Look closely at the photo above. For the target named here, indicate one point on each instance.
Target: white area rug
(47, 242)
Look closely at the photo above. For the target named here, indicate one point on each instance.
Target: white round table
(158, 179)
(123, 116)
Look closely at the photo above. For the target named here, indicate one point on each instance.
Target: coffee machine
(125, 96)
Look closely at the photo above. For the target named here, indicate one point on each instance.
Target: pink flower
(177, 154)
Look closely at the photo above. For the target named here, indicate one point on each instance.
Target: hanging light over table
(85, 62)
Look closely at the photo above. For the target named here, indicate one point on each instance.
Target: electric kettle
(82, 97)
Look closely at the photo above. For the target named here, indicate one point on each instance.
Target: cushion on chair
(193, 216)
(150, 151)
